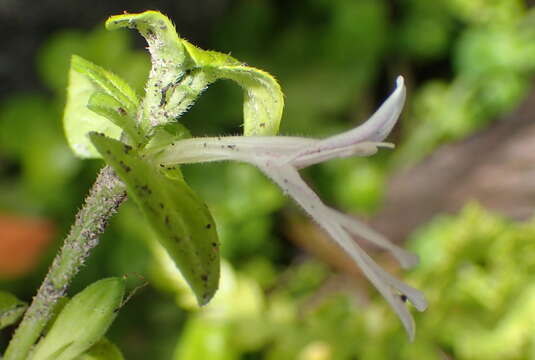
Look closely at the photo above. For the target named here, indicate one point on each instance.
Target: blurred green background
(467, 64)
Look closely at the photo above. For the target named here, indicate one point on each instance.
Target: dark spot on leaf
(403, 297)
(204, 277)
(208, 226)
(262, 124)
(124, 166)
(214, 244)
(177, 239)
(121, 111)
(161, 205)
(166, 220)
(162, 165)
(127, 148)
(146, 189)
(231, 146)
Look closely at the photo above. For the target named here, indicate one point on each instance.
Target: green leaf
(181, 72)
(78, 120)
(85, 79)
(168, 58)
(263, 99)
(165, 135)
(177, 97)
(103, 350)
(11, 309)
(83, 321)
(182, 221)
(105, 105)
(108, 82)
(157, 29)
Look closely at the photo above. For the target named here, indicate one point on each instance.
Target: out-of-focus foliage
(492, 57)
(477, 269)
(481, 307)
(467, 63)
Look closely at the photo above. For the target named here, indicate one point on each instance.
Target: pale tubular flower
(280, 157)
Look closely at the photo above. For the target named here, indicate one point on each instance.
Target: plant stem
(105, 197)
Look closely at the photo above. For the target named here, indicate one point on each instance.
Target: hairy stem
(106, 195)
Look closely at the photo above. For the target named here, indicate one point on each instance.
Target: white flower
(280, 158)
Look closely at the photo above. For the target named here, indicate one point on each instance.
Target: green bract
(11, 309)
(182, 221)
(82, 322)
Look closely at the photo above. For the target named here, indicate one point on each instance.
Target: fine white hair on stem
(281, 157)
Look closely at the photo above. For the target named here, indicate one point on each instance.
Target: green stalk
(105, 197)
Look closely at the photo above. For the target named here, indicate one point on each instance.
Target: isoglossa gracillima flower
(280, 158)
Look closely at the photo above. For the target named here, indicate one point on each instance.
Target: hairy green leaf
(108, 107)
(83, 321)
(86, 79)
(182, 221)
(167, 55)
(108, 82)
(165, 135)
(182, 71)
(11, 309)
(263, 99)
(78, 120)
